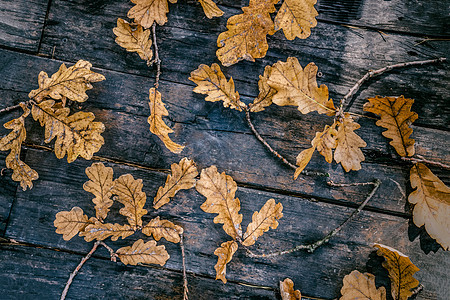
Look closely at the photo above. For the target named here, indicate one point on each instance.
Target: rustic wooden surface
(352, 37)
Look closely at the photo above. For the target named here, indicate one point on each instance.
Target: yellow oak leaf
(361, 286)
(396, 117)
(134, 39)
(401, 271)
(70, 223)
(266, 92)
(100, 231)
(182, 178)
(296, 18)
(287, 290)
(225, 254)
(145, 12)
(432, 204)
(212, 82)
(261, 221)
(100, 185)
(143, 253)
(163, 229)
(210, 8)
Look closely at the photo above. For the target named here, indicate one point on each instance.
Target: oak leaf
(212, 82)
(396, 117)
(225, 254)
(157, 125)
(401, 271)
(432, 204)
(210, 8)
(134, 39)
(361, 286)
(163, 229)
(100, 231)
(182, 178)
(145, 12)
(143, 253)
(287, 290)
(100, 185)
(296, 18)
(266, 92)
(70, 223)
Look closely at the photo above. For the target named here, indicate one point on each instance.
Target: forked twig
(183, 256)
(421, 159)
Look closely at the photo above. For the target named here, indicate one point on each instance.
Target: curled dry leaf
(396, 117)
(134, 39)
(100, 185)
(225, 254)
(163, 229)
(401, 271)
(266, 92)
(100, 231)
(182, 178)
(157, 125)
(70, 223)
(361, 286)
(212, 82)
(145, 12)
(143, 253)
(287, 290)
(432, 204)
(296, 18)
(210, 8)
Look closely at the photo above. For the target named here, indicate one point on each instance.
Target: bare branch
(185, 283)
(156, 60)
(421, 159)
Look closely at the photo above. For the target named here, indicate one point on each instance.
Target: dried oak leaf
(76, 135)
(70, 223)
(100, 231)
(261, 221)
(401, 271)
(134, 39)
(432, 204)
(225, 254)
(13, 142)
(396, 117)
(145, 12)
(144, 253)
(210, 8)
(157, 125)
(129, 193)
(219, 190)
(212, 82)
(182, 178)
(298, 87)
(296, 18)
(361, 286)
(72, 82)
(266, 92)
(246, 34)
(100, 185)
(163, 229)
(287, 290)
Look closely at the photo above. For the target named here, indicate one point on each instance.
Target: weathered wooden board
(7, 193)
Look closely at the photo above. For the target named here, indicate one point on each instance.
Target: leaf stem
(156, 60)
(421, 159)
(9, 108)
(183, 256)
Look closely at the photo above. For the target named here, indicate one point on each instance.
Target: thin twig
(417, 290)
(111, 251)
(9, 108)
(183, 256)
(312, 247)
(333, 184)
(421, 159)
(156, 60)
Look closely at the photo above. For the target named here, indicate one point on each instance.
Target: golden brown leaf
(296, 18)
(219, 190)
(246, 34)
(143, 253)
(225, 254)
(129, 193)
(13, 142)
(401, 271)
(347, 145)
(70, 223)
(361, 286)
(432, 204)
(211, 81)
(100, 185)
(134, 39)
(261, 221)
(76, 135)
(163, 229)
(182, 178)
(396, 117)
(210, 8)
(266, 93)
(157, 125)
(298, 87)
(145, 12)
(72, 82)
(287, 290)
(100, 231)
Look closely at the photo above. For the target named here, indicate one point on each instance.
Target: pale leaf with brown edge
(224, 253)
(72, 82)
(76, 134)
(266, 92)
(13, 142)
(210, 8)
(100, 185)
(143, 253)
(219, 190)
(134, 39)
(348, 145)
(157, 125)
(182, 177)
(163, 229)
(212, 82)
(396, 117)
(287, 290)
(401, 271)
(262, 221)
(246, 34)
(431, 201)
(129, 193)
(298, 87)
(145, 12)
(70, 223)
(296, 18)
(100, 231)
(361, 286)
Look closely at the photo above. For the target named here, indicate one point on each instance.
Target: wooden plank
(60, 188)
(7, 193)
